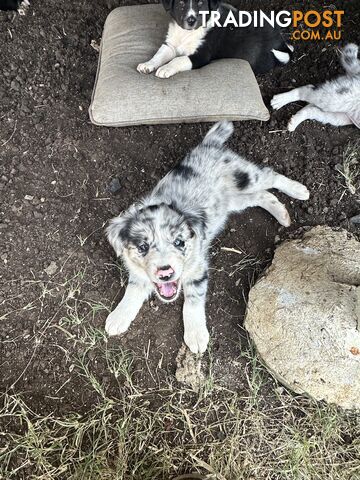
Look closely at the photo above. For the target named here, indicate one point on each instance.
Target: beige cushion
(225, 89)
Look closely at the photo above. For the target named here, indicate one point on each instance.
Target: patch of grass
(350, 168)
(159, 434)
(262, 432)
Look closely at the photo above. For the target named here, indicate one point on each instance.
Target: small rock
(188, 369)
(355, 220)
(114, 186)
(29, 197)
(51, 269)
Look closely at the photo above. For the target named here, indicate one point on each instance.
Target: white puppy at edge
(336, 101)
(164, 239)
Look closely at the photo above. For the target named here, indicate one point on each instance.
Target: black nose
(191, 20)
(165, 267)
(165, 273)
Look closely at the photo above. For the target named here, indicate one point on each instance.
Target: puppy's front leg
(120, 319)
(196, 335)
(179, 64)
(184, 63)
(161, 57)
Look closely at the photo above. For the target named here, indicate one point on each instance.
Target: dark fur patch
(125, 232)
(201, 280)
(197, 222)
(342, 90)
(184, 171)
(174, 207)
(242, 180)
(152, 208)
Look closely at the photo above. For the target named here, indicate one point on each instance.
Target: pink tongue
(167, 290)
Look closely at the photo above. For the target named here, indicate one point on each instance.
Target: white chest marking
(185, 42)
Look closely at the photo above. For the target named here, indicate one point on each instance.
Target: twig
(11, 136)
(233, 250)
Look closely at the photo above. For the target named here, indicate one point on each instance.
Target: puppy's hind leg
(265, 200)
(292, 188)
(271, 204)
(265, 179)
(310, 112)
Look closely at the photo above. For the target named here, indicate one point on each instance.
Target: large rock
(304, 316)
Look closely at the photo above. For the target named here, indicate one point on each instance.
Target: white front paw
(116, 324)
(166, 71)
(146, 67)
(280, 100)
(197, 338)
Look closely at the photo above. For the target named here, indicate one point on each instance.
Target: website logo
(309, 25)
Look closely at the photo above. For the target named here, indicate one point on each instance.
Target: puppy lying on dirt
(164, 239)
(336, 101)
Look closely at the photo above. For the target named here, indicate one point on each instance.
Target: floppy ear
(119, 228)
(115, 233)
(213, 5)
(168, 4)
(197, 223)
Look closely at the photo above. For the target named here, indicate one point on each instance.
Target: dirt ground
(57, 270)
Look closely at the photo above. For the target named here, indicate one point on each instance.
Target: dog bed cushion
(225, 89)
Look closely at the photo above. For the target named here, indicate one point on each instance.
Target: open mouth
(167, 291)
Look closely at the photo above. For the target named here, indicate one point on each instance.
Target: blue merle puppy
(336, 101)
(164, 239)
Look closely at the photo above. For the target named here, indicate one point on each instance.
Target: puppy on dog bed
(189, 45)
(164, 239)
(336, 101)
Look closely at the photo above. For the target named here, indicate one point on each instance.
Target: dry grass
(262, 433)
(350, 169)
(161, 433)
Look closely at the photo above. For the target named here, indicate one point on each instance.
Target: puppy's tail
(349, 59)
(283, 54)
(219, 133)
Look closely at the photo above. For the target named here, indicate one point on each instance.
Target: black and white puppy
(164, 239)
(189, 45)
(336, 101)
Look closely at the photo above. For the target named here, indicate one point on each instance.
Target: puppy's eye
(143, 248)
(179, 243)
